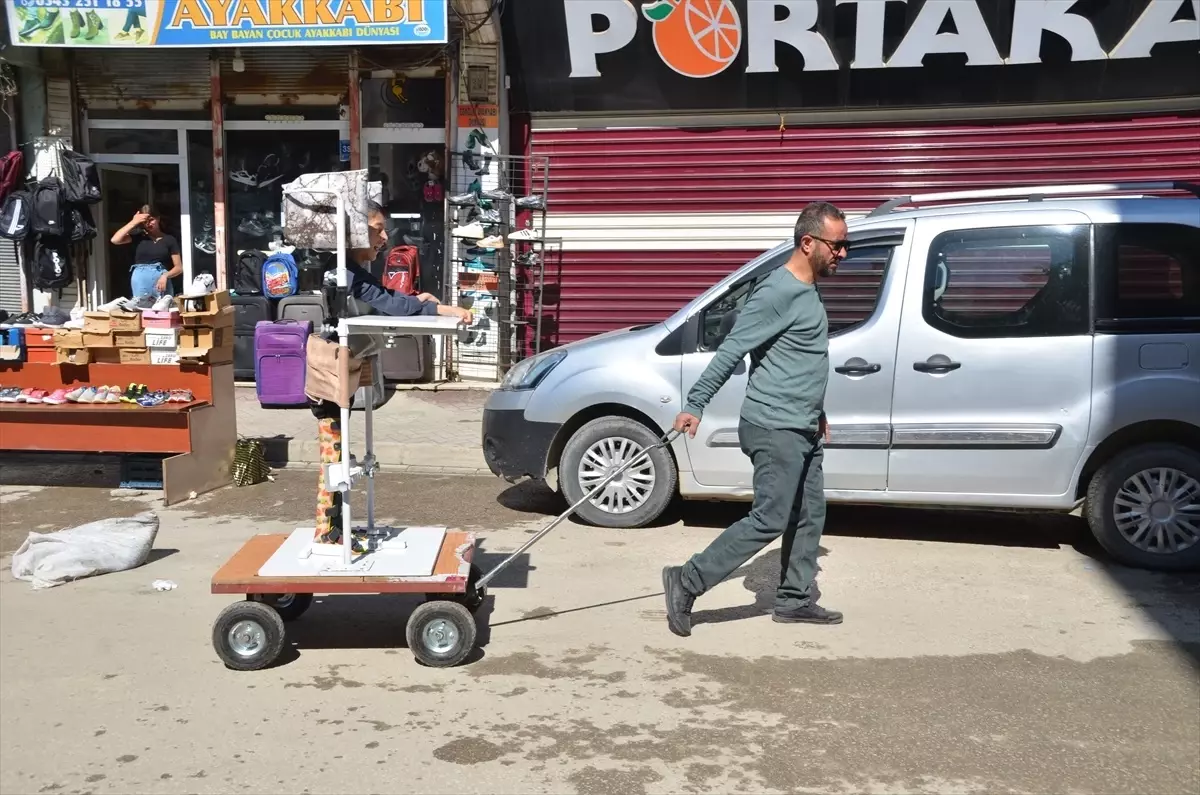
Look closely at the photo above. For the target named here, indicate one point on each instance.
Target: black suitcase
(301, 308)
(248, 311)
(407, 359)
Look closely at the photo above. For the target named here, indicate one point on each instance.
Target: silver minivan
(1029, 349)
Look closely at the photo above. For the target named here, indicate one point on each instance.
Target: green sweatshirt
(784, 329)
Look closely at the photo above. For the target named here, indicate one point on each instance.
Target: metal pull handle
(936, 364)
(857, 369)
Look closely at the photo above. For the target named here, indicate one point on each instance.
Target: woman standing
(156, 255)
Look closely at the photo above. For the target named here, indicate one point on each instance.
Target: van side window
(1008, 282)
(717, 319)
(852, 296)
(1147, 272)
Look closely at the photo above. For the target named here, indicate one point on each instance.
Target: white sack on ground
(309, 216)
(50, 559)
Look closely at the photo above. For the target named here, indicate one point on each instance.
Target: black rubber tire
(665, 475)
(267, 618)
(441, 610)
(472, 599)
(290, 606)
(1103, 489)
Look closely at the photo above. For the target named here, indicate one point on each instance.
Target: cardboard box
(97, 322)
(12, 353)
(125, 321)
(153, 318)
(222, 318)
(164, 356)
(39, 337)
(204, 306)
(129, 339)
(134, 355)
(73, 355)
(70, 338)
(162, 338)
(94, 340)
(105, 355)
(212, 345)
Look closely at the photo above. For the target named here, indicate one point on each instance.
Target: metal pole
(344, 341)
(369, 460)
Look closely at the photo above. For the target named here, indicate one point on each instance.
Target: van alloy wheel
(1158, 510)
(630, 490)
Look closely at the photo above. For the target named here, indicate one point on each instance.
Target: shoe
(165, 303)
(487, 216)
(132, 393)
(94, 25)
(123, 304)
(525, 234)
(86, 395)
(244, 177)
(202, 284)
(10, 394)
(811, 613)
(74, 394)
(480, 251)
(529, 259)
(122, 36)
(531, 203)
(492, 241)
(36, 396)
(152, 399)
(474, 230)
(76, 24)
(56, 398)
(679, 601)
(497, 195)
(251, 225)
(464, 200)
(180, 396)
(24, 396)
(144, 302)
(478, 266)
(112, 394)
(26, 319)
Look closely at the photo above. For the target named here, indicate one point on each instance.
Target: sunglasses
(834, 245)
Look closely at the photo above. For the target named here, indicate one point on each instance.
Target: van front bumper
(515, 447)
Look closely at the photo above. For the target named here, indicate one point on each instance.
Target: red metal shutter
(705, 187)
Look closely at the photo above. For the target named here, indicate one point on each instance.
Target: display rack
(497, 196)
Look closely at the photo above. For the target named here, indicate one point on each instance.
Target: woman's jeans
(144, 281)
(133, 19)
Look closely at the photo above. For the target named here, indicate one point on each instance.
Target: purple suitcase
(279, 361)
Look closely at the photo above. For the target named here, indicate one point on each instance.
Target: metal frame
(98, 293)
(1034, 193)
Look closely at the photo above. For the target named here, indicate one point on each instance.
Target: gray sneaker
(811, 613)
(534, 202)
(679, 601)
(463, 199)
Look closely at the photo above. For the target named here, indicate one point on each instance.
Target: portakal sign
(225, 23)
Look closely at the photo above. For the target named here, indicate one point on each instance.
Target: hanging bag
(14, 216)
(51, 263)
(81, 178)
(248, 273)
(12, 172)
(47, 212)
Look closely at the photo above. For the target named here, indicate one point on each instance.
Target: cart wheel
(248, 636)
(471, 599)
(441, 634)
(289, 606)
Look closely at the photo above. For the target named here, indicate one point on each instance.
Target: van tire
(1102, 491)
(665, 475)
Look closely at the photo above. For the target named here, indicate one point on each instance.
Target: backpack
(247, 273)
(81, 226)
(402, 269)
(14, 215)
(47, 213)
(81, 178)
(12, 172)
(280, 278)
(51, 263)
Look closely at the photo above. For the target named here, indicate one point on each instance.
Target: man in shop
(156, 258)
(366, 295)
(782, 428)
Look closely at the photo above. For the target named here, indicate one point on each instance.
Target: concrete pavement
(980, 654)
(417, 429)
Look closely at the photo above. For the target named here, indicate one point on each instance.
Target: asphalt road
(980, 653)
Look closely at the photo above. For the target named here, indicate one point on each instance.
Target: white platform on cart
(393, 552)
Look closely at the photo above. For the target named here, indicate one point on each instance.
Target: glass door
(124, 190)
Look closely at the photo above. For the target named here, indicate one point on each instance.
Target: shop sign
(225, 23)
(702, 38)
(655, 55)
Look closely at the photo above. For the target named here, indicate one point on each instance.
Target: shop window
(1148, 272)
(133, 142)
(399, 102)
(200, 175)
(413, 178)
(1008, 282)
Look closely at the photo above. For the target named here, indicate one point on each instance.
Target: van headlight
(529, 373)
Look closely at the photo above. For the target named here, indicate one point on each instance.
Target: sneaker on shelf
(165, 303)
(180, 396)
(73, 395)
(480, 251)
(487, 216)
(56, 398)
(253, 225)
(463, 199)
(474, 229)
(202, 284)
(144, 302)
(131, 394)
(88, 395)
(206, 243)
(492, 241)
(26, 319)
(26, 393)
(497, 195)
(526, 234)
(112, 394)
(244, 177)
(36, 396)
(10, 394)
(124, 304)
(529, 259)
(534, 202)
(478, 266)
(54, 316)
(151, 399)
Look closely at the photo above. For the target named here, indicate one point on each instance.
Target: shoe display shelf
(195, 440)
(497, 209)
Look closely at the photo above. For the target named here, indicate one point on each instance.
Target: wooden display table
(201, 434)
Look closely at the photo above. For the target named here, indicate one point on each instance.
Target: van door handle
(936, 364)
(857, 367)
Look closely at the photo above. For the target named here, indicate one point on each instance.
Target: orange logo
(696, 38)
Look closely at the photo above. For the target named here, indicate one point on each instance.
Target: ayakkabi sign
(225, 23)
(703, 38)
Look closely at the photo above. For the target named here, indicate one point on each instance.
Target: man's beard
(824, 268)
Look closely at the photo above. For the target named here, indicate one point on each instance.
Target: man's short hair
(812, 220)
(374, 207)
